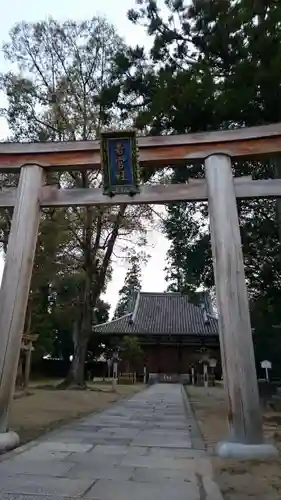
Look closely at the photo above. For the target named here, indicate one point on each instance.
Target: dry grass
(238, 480)
(43, 410)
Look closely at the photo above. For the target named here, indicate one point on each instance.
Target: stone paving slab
(54, 446)
(146, 475)
(93, 459)
(145, 448)
(30, 467)
(37, 455)
(161, 441)
(101, 471)
(41, 485)
(162, 490)
(110, 449)
(153, 462)
(175, 453)
(15, 496)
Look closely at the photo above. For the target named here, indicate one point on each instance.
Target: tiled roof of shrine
(164, 314)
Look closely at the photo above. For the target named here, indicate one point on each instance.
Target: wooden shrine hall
(175, 335)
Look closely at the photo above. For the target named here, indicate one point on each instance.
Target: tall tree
(65, 306)
(229, 39)
(209, 67)
(54, 93)
(132, 285)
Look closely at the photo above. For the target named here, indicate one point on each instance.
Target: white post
(192, 375)
(114, 380)
(15, 287)
(205, 374)
(238, 361)
(144, 374)
(213, 364)
(266, 365)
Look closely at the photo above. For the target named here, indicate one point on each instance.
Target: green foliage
(131, 352)
(132, 285)
(61, 69)
(210, 67)
(62, 87)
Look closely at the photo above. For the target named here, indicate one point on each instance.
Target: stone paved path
(145, 448)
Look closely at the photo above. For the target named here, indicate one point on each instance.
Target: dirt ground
(238, 480)
(43, 410)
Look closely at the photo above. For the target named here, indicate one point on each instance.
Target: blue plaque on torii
(119, 159)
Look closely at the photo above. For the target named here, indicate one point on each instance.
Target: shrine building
(175, 335)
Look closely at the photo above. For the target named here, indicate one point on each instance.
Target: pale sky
(115, 12)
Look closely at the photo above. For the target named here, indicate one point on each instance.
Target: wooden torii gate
(215, 149)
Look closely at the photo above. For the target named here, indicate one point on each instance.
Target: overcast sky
(115, 11)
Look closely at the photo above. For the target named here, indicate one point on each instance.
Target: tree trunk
(77, 369)
(76, 373)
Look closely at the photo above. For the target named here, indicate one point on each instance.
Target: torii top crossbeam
(157, 151)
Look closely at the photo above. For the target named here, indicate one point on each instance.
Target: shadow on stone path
(144, 448)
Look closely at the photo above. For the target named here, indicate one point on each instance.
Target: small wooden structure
(24, 364)
(216, 151)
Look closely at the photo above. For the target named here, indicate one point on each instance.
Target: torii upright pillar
(15, 288)
(237, 351)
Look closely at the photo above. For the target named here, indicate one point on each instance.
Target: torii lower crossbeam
(195, 190)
